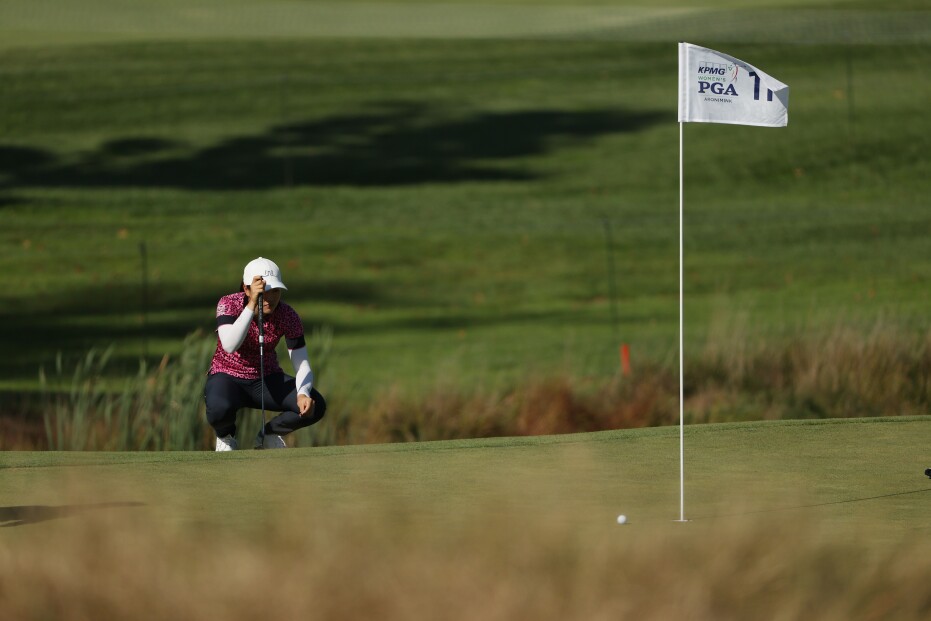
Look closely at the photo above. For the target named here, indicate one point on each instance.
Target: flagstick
(762, 111)
(681, 346)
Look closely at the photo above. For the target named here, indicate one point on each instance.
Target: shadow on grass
(391, 144)
(33, 514)
(397, 143)
(815, 505)
(111, 313)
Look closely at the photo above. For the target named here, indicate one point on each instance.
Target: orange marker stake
(625, 359)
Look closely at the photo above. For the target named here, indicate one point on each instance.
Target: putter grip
(261, 322)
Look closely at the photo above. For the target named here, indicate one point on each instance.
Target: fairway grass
(54, 22)
(821, 520)
(447, 203)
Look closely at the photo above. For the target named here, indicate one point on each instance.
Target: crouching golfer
(235, 381)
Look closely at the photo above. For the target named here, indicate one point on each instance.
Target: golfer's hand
(257, 287)
(305, 405)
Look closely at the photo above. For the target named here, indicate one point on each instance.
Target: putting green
(846, 474)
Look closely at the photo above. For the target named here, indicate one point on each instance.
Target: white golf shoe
(227, 443)
(271, 441)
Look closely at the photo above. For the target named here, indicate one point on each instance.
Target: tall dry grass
(158, 408)
(882, 371)
(843, 373)
(384, 563)
(542, 406)
(846, 372)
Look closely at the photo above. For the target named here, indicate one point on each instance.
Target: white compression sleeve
(303, 376)
(232, 335)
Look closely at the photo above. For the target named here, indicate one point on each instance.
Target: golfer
(235, 380)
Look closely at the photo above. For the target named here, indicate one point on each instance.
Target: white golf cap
(265, 268)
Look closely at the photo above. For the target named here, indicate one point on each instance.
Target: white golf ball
(622, 519)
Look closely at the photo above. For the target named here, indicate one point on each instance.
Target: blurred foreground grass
(507, 566)
(823, 520)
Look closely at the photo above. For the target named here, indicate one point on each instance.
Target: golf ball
(622, 519)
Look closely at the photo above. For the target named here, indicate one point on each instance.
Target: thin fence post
(143, 252)
(283, 114)
(612, 285)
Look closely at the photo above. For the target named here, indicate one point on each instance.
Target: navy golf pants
(225, 395)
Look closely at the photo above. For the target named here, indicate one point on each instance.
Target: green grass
(865, 474)
(829, 518)
(54, 22)
(440, 202)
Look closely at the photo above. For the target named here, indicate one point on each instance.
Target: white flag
(717, 88)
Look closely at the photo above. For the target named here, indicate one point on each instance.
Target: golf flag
(717, 88)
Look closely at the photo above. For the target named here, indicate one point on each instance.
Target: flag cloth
(717, 88)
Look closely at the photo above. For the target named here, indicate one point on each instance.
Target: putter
(261, 319)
